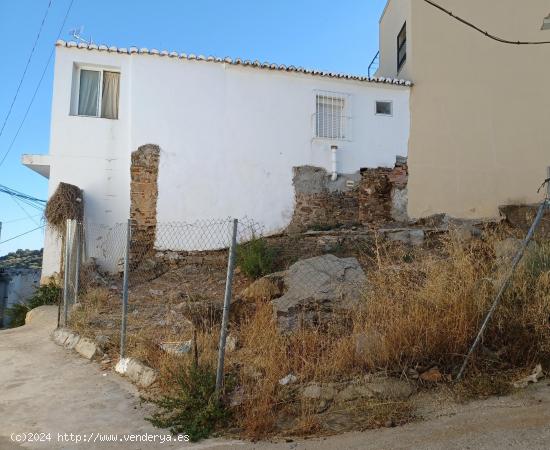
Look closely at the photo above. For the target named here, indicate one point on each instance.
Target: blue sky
(335, 36)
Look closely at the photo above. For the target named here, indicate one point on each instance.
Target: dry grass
(65, 203)
(423, 308)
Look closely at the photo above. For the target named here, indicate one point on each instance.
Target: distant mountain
(22, 259)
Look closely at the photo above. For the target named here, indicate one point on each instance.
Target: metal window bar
(330, 121)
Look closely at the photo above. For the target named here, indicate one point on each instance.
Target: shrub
(195, 410)
(256, 258)
(16, 314)
(47, 294)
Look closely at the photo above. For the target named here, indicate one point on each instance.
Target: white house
(230, 132)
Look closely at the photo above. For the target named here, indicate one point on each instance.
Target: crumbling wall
(143, 199)
(523, 216)
(371, 196)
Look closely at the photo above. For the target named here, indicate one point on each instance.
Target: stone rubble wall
(371, 196)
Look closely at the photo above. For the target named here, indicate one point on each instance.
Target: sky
(337, 36)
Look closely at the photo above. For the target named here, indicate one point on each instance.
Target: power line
(26, 68)
(22, 234)
(24, 197)
(479, 30)
(20, 219)
(37, 87)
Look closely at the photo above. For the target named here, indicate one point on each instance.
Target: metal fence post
(78, 238)
(505, 283)
(125, 291)
(226, 305)
(68, 244)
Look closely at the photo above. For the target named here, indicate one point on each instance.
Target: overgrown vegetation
(195, 408)
(22, 259)
(256, 257)
(65, 203)
(47, 294)
(425, 306)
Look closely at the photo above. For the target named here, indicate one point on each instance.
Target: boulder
(266, 288)
(177, 348)
(390, 388)
(317, 289)
(407, 236)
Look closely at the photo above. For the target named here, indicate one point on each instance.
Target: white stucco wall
(229, 136)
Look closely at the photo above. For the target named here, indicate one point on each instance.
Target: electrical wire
(479, 30)
(20, 219)
(37, 86)
(26, 68)
(24, 210)
(22, 234)
(27, 199)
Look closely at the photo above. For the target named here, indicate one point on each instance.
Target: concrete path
(47, 389)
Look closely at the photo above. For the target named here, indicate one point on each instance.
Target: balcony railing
(374, 64)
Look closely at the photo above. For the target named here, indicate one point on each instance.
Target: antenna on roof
(76, 33)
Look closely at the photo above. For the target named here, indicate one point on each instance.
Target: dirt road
(46, 389)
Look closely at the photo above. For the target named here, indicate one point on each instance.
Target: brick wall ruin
(372, 196)
(143, 199)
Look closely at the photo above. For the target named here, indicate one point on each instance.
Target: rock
(102, 341)
(535, 376)
(60, 335)
(71, 341)
(156, 292)
(316, 289)
(138, 372)
(88, 348)
(289, 379)
(266, 288)
(432, 375)
(399, 201)
(353, 391)
(390, 388)
(230, 343)
(412, 236)
(177, 348)
(315, 391)
(319, 396)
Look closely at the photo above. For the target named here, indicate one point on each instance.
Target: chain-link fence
(147, 289)
(150, 283)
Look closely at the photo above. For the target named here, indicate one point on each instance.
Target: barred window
(330, 121)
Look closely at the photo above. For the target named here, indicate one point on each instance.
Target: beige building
(480, 109)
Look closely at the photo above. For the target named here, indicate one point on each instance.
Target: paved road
(44, 388)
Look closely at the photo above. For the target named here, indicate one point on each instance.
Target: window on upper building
(384, 108)
(98, 93)
(330, 119)
(402, 47)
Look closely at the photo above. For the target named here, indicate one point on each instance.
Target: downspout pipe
(334, 149)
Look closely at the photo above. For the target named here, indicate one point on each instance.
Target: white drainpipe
(334, 149)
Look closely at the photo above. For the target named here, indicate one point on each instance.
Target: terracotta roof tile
(235, 61)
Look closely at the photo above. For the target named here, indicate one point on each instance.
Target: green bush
(196, 409)
(256, 258)
(47, 294)
(16, 314)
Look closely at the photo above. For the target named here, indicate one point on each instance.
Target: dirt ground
(45, 388)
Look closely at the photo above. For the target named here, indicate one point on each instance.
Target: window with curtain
(329, 117)
(98, 93)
